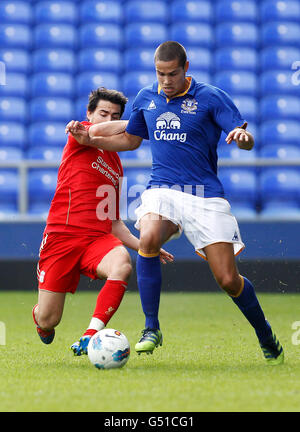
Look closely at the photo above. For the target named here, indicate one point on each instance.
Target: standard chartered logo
(168, 128)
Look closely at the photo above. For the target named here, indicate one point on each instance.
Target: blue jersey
(184, 132)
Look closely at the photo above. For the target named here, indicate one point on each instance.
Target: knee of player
(230, 283)
(48, 321)
(150, 242)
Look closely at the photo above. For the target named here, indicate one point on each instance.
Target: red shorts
(64, 257)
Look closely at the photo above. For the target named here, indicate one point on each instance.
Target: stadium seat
(236, 58)
(12, 134)
(279, 184)
(41, 186)
(7, 210)
(192, 34)
(197, 10)
(200, 58)
(279, 210)
(240, 184)
(146, 11)
(133, 82)
(143, 153)
(236, 11)
(101, 12)
(47, 154)
(9, 186)
(81, 108)
(139, 59)
(281, 152)
(55, 12)
(134, 184)
(200, 75)
(285, 132)
(52, 84)
(280, 107)
(233, 153)
(53, 60)
(287, 10)
(85, 82)
(51, 109)
(16, 60)
(10, 154)
(128, 107)
(145, 35)
(100, 36)
(237, 82)
(15, 12)
(55, 36)
(280, 33)
(243, 211)
(101, 59)
(47, 134)
(15, 36)
(278, 57)
(13, 109)
(236, 34)
(16, 85)
(276, 82)
(248, 107)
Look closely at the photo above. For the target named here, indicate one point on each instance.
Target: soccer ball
(108, 349)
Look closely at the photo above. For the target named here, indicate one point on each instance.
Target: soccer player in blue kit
(183, 119)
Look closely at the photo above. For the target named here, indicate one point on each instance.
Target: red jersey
(86, 199)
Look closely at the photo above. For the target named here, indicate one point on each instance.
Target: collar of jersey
(189, 90)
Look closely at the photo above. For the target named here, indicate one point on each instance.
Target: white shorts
(204, 220)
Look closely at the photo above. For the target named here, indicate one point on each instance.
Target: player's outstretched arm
(120, 142)
(243, 138)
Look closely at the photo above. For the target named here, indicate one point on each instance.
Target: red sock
(108, 302)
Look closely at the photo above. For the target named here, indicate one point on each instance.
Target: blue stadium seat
(52, 84)
(51, 109)
(240, 184)
(41, 186)
(16, 60)
(134, 184)
(100, 36)
(128, 108)
(101, 59)
(232, 152)
(287, 10)
(248, 107)
(280, 132)
(197, 10)
(7, 210)
(200, 58)
(237, 35)
(192, 34)
(145, 35)
(54, 60)
(237, 82)
(16, 85)
(55, 36)
(16, 12)
(81, 108)
(279, 184)
(15, 36)
(280, 151)
(236, 11)
(243, 210)
(56, 12)
(200, 75)
(9, 186)
(47, 154)
(47, 134)
(280, 107)
(146, 11)
(277, 82)
(139, 59)
(279, 210)
(143, 153)
(13, 109)
(11, 154)
(133, 82)
(278, 57)
(12, 134)
(236, 58)
(280, 33)
(85, 82)
(101, 12)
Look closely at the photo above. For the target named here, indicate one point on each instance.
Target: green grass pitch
(210, 359)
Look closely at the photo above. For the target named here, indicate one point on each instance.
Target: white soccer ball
(108, 349)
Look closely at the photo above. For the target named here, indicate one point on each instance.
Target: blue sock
(149, 282)
(248, 304)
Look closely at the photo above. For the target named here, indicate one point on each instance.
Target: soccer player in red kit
(84, 233)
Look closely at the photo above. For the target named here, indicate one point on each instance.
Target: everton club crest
(189, 106)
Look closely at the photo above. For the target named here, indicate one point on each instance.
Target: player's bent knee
(150, 242)
(230, 283)
(47, 321)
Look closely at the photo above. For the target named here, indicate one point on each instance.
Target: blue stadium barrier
(236, 59)
(193, 34)
(287, 10)
(103, 35)
(12, 134)
(100, 59)
(236, 11)
(16, 60)
(279, 107)
(50, 35)
(16, 36)
(101, 11)
(280, 33)
(50, 134)
(54, 60)
(50, 84)
(146, 11)
(16, 12)
(145, 35)
(197, 10)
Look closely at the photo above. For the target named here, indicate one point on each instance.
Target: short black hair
(102, 93)
(169, 51)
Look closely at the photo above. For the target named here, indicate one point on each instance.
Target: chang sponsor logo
(168, 128)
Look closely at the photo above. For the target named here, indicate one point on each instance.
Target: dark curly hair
(103, 93)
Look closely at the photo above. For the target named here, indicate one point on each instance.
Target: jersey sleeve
(136, 124)
(224, 111)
